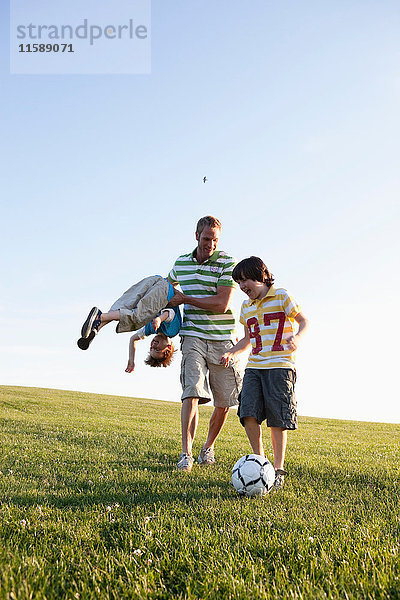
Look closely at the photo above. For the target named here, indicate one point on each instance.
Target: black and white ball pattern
(253, 475)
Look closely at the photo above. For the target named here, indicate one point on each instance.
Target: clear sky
(291, 110)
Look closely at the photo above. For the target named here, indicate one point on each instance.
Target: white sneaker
(279, 479)
(206, 457)
(185, 462)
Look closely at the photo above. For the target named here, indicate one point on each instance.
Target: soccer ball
(253, 475)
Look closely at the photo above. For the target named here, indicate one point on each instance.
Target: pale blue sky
(291, 109)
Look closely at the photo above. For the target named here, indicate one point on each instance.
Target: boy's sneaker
(92, 322)
(185, 462)
(279, 479)
(206, 457)
(89, 328)
(84, 343)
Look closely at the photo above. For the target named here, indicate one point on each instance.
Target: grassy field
(91, 507)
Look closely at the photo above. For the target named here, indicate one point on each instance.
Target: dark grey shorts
(268, 394)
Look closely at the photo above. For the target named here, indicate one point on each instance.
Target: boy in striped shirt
(268, 317)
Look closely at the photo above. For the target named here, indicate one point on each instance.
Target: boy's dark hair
(165, 361)
(252, 268)
(207, 221)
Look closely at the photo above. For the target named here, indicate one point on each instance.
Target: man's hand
(156, 322)
(177, 299)
(130, 366)
(225, 359)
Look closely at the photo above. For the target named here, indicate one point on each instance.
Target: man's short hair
(207, 221)
(252, 268)
(165, 361)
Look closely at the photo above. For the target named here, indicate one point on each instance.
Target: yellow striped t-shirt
(270, 322)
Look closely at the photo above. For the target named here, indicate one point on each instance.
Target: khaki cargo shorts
(201, 372)
(141, 303)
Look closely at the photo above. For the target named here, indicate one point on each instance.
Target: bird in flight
(205, 179)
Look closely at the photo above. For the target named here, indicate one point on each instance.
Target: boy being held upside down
(144, 307)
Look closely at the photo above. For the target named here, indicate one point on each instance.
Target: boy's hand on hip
(292, 343)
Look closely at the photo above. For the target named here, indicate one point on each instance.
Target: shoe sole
(84, 343)
(87, 326)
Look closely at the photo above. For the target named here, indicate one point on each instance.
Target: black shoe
(92, 322)
(84, 343)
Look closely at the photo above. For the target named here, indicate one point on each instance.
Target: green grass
(91, 507)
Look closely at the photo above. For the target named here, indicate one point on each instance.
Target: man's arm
(219, 303)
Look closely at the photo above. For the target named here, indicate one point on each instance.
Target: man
(205, 277)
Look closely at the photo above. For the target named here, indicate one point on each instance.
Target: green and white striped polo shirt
(200, 280)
